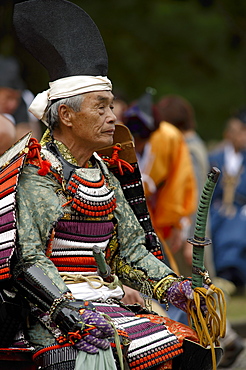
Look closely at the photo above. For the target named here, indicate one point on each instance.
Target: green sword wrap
(199, 241)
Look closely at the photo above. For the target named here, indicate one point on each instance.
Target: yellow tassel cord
(213, 326)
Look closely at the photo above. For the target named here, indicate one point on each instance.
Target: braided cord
(213, 326)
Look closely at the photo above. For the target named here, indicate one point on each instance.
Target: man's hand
(132, 296)
(97, 330)
(180, 292)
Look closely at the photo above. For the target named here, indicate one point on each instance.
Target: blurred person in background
(7, 134)
(178, 111)
(15, 99)
(228, 206)
(227, 214)
(166, 167)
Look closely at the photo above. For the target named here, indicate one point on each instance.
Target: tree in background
(194, 48)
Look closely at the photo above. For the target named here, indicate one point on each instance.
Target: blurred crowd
(174, 163)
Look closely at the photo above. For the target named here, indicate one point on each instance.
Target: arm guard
(40, 290)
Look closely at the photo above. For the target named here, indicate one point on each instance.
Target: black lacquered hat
(62, 37)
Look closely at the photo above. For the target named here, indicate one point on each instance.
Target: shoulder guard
(11, 165)
(122, 162)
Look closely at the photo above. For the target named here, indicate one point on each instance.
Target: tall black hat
(65, 40)
(62, 37)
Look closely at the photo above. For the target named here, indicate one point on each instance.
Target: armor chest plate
(87, 224)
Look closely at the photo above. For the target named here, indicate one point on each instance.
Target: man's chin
(106, 143)
(109, 141)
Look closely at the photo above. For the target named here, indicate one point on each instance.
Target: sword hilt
(199, 241)
(104, 269)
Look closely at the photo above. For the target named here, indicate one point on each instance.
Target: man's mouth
(109, 132)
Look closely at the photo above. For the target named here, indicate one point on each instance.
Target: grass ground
(236, 308)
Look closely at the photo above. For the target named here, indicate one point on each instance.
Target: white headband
(66, 87)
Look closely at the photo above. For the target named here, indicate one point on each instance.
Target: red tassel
(34, 151)
(118, 161)
(45, 168)
(74, 337)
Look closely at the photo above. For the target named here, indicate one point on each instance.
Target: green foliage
(194, 48)
(176, 47)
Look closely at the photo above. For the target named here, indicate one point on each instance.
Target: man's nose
(112, 117)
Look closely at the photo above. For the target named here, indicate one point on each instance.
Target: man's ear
(65, 114)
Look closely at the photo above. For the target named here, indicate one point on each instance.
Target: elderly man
(68, 201)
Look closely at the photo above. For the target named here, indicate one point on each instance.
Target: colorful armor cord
(130, 181)
(74, 236)
(87, 220)
(150, 343)
(91, 198)
(11, 164)
(73, 243)
(117, 263)
(147, 343)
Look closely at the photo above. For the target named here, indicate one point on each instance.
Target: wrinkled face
(9, 100)
(94, 125)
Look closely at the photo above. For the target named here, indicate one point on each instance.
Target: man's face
(9, 100)
(236, 134)
(94, 125)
